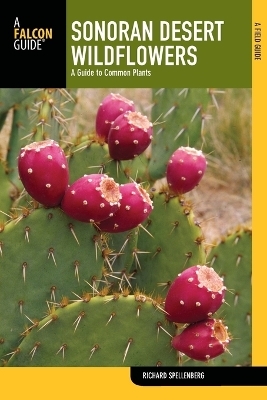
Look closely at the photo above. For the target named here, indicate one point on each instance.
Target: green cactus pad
(118, 254)
(106, 331)
(232, 259)
(182, 115)
(37, 115)
(45, 257)
(11, 97)
(171, 243)
(89, 156)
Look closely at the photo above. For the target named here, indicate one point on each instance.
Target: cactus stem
(72, 231)
(96, 347)
(112, 315)
(78, 319)
(130, 341)
(62, 348)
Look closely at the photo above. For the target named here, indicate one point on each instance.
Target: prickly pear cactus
(182, 116)
(37, 114)
(231, 257)
(170, 243)
(75, 294)
(110, 330)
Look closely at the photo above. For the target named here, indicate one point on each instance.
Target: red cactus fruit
(129, 135)
(195, 294)
(92, 198)
(203, 340)
(44, 172)
(185, 169)
(111, 107)
(136, 206)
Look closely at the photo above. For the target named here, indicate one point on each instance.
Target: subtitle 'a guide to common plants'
(125, 200)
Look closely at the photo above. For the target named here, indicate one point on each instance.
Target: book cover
(126, 251)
